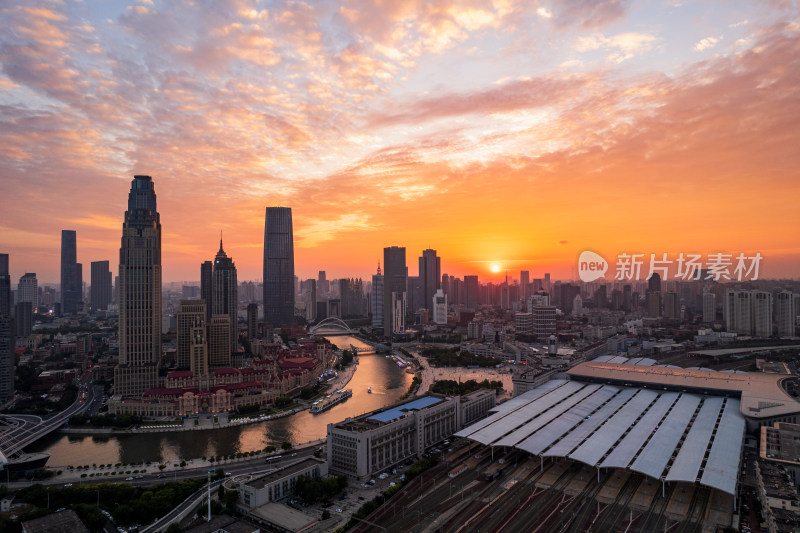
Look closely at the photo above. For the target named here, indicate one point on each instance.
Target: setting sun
(495, 268)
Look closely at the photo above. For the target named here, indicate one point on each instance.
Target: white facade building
(439, 307)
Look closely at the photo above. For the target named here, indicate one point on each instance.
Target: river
(388, 383)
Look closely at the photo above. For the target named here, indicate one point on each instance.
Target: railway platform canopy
(668, 435)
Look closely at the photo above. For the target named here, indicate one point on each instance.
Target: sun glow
(495, 268)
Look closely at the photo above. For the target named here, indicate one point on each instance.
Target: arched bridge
(332, 326)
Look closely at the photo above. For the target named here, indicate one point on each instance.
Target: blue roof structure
(396, 412)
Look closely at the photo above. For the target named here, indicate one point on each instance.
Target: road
(23, 430)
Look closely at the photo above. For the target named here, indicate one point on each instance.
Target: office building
(439, 305)
(191, 315)
(395, 274)
(430, 275)
(523, 323)
(101, 286)
(376, 302)
(7, 343)
(71, 274)
(544, 320)
(219, 341)
(207, 286)
(278, 267)
(139, 292)
(709, 307)
(28, 289)
(225, 294)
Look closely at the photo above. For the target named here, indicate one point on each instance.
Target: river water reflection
(388, 383)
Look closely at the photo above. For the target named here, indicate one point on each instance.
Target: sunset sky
(516, 133)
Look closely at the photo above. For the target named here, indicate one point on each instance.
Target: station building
(362, 446)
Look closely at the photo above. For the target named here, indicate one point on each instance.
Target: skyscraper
(206, 286)
(5, 286)
(71, 275)
(278, 267)
(395, 274)
(430, 276)
(28, 289)
(139, 292)
(225, 297)
(376, 301)
(101, 285)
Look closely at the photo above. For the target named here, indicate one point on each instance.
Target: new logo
(591, 266)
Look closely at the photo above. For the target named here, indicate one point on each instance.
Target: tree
(326, 514)
(286, 445)
(174, 528)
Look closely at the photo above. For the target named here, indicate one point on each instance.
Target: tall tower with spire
(139, 292)
(376, 300)
(225, 292)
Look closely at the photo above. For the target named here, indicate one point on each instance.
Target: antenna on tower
(379, 268)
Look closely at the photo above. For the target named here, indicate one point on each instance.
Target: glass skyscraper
(278, 267)
(71, 275)
(139, 292)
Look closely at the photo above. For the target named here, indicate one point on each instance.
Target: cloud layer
(484, 129)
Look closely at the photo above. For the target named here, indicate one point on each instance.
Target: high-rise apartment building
(278, 267)
(7, 343)
(139, 292)
(101, 285)
(672, 305)
(23, 319)
(439, 305)
(395, 274)
(654, 282)
(748, 312)
(471, 290)
(191, 315)
(785, 313)
(376, 302)
(430, 275)
(28, 289)
(524, 285)
(709, 307)
(252, 321)
(225, 293)
(71, 273)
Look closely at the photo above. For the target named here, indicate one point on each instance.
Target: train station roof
(761, 394)
(669, 435)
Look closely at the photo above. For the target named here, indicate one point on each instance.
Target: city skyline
(509, 133)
